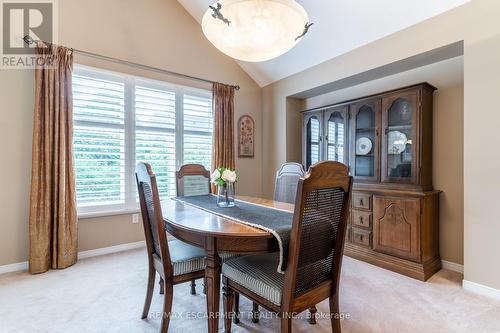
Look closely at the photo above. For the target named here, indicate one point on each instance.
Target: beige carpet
(105, 294)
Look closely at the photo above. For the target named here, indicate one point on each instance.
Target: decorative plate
(396, 142)
(363, 146)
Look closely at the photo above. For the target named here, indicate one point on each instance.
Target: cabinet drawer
(362, 219)
(362, 201)
(361, 237)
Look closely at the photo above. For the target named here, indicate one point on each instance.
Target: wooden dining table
(216, 234)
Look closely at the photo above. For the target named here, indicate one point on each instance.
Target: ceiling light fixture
(255, 30)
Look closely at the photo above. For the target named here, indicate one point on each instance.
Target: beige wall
(16, 105)
(476, 23)
(158, 33)
(447, 76)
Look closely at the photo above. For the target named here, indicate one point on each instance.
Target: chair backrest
(192, 179)
(319, 227)
(152, 216)
(287, 179)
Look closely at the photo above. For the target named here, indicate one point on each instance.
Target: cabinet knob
(361, 220)
(361, 202)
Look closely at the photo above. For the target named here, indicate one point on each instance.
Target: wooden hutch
(386, 140)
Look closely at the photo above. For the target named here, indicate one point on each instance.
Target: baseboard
(481, 289)
(452, 266)
(419, 271)
(23, 266)
(19, 266)
(110, 249)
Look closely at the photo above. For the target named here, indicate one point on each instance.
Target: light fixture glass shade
(258, 30)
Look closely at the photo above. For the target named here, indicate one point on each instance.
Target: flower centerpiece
(224, 178)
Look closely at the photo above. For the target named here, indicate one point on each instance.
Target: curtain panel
(223, 145)
(53, 214)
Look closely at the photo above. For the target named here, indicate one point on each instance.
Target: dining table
(218, 233)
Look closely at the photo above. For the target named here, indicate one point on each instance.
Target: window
(120, 120)
(198, 128)
(99, 140)
(155, 134)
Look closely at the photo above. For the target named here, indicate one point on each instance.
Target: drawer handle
(361, 202)
(361, 220)
(361, 237)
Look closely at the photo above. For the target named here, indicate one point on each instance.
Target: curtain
(53, 216)
(223, 145)
(223, 112)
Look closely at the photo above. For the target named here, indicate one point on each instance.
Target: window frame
(131, 204)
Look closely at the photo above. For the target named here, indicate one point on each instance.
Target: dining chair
(191, 180)
(314, 257)
(175, 261)
(287, 179)
(285, 190)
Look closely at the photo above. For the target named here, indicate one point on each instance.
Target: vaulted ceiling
(339, 27)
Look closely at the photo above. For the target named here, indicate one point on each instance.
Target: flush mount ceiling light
(255, 30)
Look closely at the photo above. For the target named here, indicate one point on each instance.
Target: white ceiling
(339, 27)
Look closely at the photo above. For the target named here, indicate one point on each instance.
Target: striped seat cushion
(186, 258)
(225, 256)
(258, 274)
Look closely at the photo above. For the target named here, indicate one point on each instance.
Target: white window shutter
(99, 141)
(155, 134)
(198, 130)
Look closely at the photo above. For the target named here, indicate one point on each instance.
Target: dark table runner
(276, 221)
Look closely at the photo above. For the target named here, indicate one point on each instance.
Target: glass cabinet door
(365, 120)
(313, 139)
(336, 135)
(399, 142)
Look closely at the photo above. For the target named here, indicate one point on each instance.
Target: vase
(225, 197)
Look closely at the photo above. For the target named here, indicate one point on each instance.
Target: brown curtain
(223, 147)
(53, 217)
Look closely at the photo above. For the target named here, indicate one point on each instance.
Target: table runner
(276, 221)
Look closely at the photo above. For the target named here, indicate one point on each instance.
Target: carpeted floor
(106, 294)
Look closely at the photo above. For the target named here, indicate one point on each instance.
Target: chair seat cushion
(258, 274)
(225, 256)
(186, 258)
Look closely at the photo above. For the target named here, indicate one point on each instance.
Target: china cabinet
(386, 140)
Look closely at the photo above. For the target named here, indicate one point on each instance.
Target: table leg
(212, 274)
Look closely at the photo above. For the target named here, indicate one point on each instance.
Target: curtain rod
(28, 40)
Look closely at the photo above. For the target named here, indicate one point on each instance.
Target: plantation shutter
(198, 130)
(99, 140)
(155, 134)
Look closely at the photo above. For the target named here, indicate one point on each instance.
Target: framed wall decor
(246, 136)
